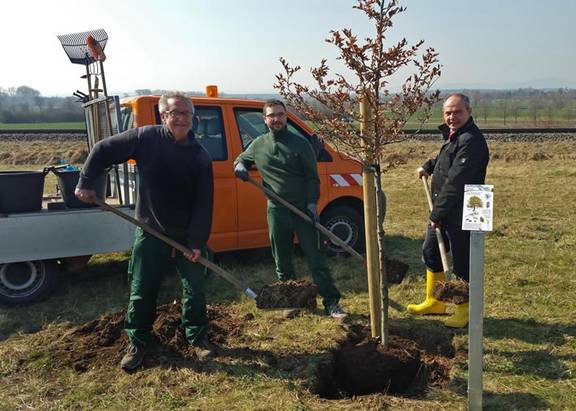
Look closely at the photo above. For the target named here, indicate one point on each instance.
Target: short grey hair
(462, 97)
(163, 103)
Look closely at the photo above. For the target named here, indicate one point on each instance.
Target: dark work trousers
(151, 260)
(457, 241)
(282, 224)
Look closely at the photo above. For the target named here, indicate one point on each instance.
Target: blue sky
(236, 44)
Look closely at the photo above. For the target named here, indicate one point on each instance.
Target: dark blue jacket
(176, 187)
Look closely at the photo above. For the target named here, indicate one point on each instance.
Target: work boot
(430, 305)
(291, 313)
(133, 357)
(460, 317)
(336, 311)
(204, 349)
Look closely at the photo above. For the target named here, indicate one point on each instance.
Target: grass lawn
(529, 328)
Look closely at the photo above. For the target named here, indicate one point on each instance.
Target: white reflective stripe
(340, 181)
(358, 178)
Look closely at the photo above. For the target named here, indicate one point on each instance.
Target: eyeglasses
(276, 115)
(175, 113)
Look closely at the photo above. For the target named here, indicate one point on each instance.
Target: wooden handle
(441, 245)
(206, 263)
(306, 217)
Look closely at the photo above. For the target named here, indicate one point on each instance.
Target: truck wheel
(26, 282)
(347, 224)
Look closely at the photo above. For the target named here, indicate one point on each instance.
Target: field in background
(492, 114)
(516, 115)
(530, 335)
(42, 126)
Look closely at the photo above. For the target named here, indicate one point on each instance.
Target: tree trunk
(381, 213)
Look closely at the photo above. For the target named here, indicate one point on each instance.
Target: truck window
(209, 130)
(251, 125)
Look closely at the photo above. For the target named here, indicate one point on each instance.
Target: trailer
(35, 246)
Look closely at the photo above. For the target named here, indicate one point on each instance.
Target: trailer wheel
(347, 224)
(26, 282)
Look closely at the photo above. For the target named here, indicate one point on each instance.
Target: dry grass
(42, 153)
(530, 336)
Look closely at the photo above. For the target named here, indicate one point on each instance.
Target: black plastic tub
(67, 181)
(21, 191)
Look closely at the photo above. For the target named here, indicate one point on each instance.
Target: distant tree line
(26, 105)
(525, 107)
(528, 106)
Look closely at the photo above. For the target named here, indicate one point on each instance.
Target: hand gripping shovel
(439, 237)
(206, 263)
(306, 217)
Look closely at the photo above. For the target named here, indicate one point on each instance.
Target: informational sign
(478, 206)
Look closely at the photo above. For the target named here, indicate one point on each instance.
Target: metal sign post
(477, 218)
(475, 324)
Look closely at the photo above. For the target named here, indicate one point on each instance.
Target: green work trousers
(151, 259)
(282, 224)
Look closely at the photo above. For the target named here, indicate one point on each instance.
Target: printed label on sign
(478, 205)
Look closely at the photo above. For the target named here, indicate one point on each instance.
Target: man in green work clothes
(175, 197)
(288, 167)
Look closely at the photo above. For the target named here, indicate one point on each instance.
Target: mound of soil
(288, 294)
(455, 291)
(103, 342)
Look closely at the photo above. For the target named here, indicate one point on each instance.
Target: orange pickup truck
(225, 126)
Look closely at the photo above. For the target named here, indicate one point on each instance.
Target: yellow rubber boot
(460, 317)
(430, 304)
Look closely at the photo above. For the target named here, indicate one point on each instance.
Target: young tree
(367, 101)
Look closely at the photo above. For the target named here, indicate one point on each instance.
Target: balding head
(456, 110)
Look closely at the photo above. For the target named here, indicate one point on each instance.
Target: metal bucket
(21, 191)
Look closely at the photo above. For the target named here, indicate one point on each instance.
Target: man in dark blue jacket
(175, 197)
(463, 159)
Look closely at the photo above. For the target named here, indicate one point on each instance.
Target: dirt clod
(455, 291)
(288, 294)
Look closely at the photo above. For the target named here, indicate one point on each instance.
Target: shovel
(439, 237)
(206, 263)
(320, 228)
(306, 217)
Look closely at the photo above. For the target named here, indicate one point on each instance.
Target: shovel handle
(441, 245)
(206, 263)
(306, 217)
